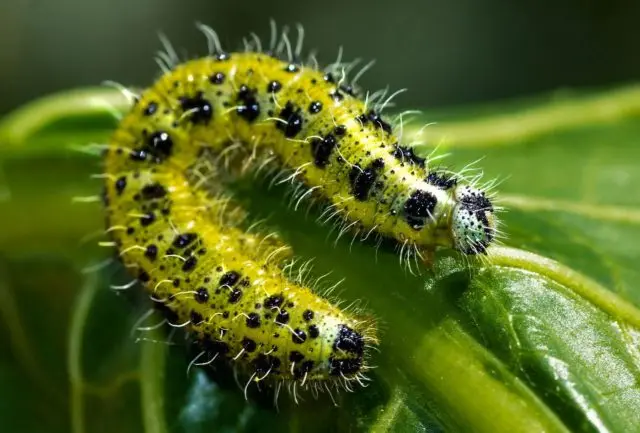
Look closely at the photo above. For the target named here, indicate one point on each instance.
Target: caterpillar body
(225, 285)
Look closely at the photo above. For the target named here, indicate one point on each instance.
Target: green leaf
(544, 335)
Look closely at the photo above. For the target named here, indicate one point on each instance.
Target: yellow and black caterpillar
(226, 286)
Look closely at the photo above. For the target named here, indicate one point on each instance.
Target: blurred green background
(445, 51)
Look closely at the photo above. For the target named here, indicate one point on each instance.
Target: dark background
(446, 52)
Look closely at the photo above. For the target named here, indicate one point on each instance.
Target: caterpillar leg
(428, 257)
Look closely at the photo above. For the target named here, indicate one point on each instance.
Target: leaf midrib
(513, 128)
(619, 214)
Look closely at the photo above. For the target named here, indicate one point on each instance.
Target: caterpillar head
(346, 359)
(473, 220)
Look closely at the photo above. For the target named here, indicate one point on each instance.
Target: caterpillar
(171, 220)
